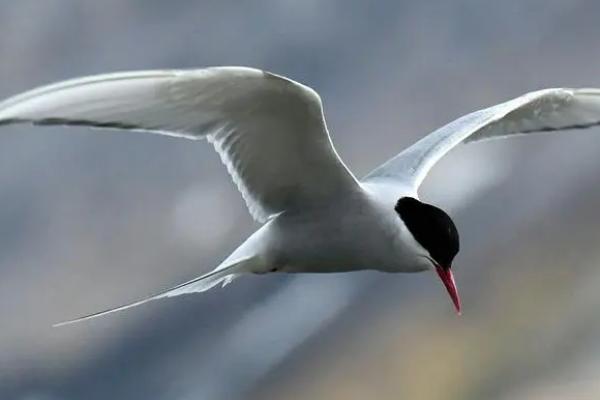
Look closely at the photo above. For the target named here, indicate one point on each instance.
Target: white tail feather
(224, 274)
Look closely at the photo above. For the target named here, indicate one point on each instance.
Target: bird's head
(436, 237)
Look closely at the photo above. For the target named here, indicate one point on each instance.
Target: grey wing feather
(541, 111)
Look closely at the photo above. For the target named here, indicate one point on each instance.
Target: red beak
(447, 278)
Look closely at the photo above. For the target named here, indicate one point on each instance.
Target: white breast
(356, 234)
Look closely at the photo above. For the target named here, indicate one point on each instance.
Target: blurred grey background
(90, 220)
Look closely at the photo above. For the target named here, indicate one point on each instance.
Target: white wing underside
(269, 131)
(541, 111)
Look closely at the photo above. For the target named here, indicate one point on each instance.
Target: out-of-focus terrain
(90, 220)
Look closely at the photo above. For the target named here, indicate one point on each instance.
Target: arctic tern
(270, 133)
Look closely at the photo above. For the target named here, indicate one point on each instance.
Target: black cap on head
(431, 227)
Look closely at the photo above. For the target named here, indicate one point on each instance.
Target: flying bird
(270, 133)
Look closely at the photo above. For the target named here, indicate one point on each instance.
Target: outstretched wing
(541, 111)
(269, 131)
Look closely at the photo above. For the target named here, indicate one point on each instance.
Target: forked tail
(222, 274)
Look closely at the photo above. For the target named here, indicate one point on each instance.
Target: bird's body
(346, 235)
(271, 135)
